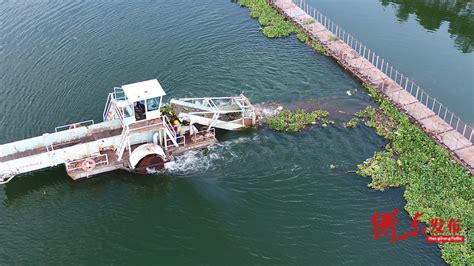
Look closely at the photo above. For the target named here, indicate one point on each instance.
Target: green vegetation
(352, 123)
(275, 25)
(170, 111)
(288, 120)
(435, 184)
(319, 48)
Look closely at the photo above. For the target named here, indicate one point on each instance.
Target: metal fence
(432, 103)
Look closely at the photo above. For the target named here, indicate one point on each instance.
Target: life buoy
(88, 165)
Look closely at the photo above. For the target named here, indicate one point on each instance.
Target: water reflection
(432, 13)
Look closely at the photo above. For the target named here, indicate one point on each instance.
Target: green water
(429, 41)
(259, 197)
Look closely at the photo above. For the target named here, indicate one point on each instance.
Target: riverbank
(419, 157)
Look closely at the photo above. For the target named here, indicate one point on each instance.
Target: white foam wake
(203, 160)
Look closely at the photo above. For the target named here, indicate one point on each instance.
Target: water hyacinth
(435, 184)
(275, 25)
(294, 121)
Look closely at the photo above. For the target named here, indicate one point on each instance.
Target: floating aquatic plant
(436, 185)
(275, 25)
(293, 121)
(352, 123)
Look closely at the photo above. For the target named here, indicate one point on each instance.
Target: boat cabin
(139, 101)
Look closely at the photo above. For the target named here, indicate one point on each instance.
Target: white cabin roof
(143, 90)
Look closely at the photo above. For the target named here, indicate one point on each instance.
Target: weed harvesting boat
(135, 135)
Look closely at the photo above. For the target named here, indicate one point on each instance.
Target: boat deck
(108, 161)
(197, 141)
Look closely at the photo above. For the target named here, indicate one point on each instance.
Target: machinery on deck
(135, 134)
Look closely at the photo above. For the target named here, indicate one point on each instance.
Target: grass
(294, 121)
(435, 184)
(276, 26)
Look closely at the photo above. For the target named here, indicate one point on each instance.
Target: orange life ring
(88, 165)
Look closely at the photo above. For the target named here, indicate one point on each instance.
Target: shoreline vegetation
(275, 25)
(435, 184)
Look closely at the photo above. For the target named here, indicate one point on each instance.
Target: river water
(258, 197)
(429, 41)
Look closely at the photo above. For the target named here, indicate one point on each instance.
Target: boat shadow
(26, 185)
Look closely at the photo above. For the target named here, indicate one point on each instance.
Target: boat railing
(6, 176)
(101, 159)
(211, 132)
(74, 125)
(131, 130)
(389, 70)
(119, 113)
(107, 106)
(181, 140)
(119, 94)
(167, 124)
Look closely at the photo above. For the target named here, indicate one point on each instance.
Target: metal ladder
(124, 143)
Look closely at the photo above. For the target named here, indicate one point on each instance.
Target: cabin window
(153, 104)
(128, 111)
